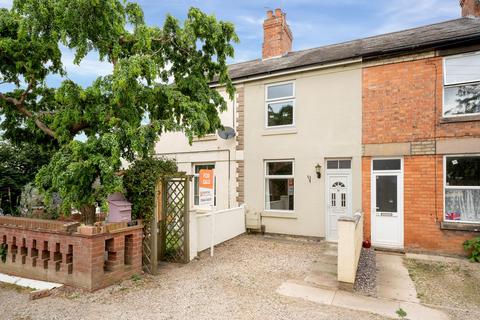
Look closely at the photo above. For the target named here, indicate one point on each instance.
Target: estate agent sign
(206, 193)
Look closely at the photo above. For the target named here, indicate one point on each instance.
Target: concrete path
(395, 289)
(29, 283)
(393, 280)
(343, 299)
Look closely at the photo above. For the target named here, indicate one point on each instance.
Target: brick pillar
(277, 37)
(470, 8)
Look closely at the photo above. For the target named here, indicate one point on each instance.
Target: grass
(455, 285)
(17, 288)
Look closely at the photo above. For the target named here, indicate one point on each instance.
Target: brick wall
(402, 102)
(72, 258)
(423, 206)
(240, 144)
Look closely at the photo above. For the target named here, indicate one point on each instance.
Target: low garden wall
(350, 238)
(55, 251)
(205, 232)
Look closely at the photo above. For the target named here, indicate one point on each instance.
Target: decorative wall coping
(39, 224)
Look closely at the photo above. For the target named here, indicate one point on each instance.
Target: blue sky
(313, 22)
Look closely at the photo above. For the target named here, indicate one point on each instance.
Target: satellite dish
(226, 133)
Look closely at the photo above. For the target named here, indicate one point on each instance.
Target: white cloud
(404, 14)
(255, 20)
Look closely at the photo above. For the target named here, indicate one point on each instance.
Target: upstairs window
(461, 94)
(280, 105)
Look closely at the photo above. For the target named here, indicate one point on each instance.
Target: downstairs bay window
(462, 189)
(279, 186)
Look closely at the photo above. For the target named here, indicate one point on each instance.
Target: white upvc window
(196, 186)
(279, 185)
(462, 188)
(280, 105)
(461, 85)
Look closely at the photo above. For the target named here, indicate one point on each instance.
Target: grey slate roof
(430, 36)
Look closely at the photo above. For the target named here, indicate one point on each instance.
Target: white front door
(387, 203)
(338, 198)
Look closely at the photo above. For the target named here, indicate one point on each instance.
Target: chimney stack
(470, 8)
(277, 37)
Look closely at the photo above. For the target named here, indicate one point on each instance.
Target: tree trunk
(88, 213)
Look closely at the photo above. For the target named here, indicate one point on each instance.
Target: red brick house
(421, 140)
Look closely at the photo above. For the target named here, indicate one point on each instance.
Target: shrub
(472, 246)
(139, 183)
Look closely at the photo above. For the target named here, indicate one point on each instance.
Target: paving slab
(393, 280)
(347, 300)
(29, 283)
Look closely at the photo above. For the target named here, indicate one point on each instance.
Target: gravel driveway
(239, 282)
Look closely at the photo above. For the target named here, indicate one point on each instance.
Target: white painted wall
(328, 124)
(210, 149)
(227, 224)
(350, 238)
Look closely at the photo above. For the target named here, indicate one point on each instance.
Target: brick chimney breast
(470, 8)
(277, 37)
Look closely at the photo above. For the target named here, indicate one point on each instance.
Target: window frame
(280, 100)
(278, 177)
(445, 187)
(446, 85)
(197, 175)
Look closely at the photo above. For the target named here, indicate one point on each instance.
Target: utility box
(119, 209)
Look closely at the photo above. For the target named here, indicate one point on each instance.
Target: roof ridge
(358, 39)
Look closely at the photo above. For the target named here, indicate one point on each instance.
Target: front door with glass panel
(387, 203)
(338, 195)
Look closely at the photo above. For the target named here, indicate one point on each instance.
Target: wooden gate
(167, 236)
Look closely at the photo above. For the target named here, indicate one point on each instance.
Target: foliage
(3, 252)
(160, 82)
(473, 247)
(18, 166)
(31, 198)
(139, 182)
(401, 313)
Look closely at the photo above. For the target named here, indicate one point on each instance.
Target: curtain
(462, 204)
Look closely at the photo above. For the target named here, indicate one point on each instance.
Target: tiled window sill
(459, 226)
(279, 214)
(460, 119)
(275, 132)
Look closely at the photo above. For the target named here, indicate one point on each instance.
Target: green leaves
(160, 83)
(472, 246)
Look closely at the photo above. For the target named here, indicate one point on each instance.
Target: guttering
(271, 74)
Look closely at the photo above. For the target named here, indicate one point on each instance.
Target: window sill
(460, 119)
(459, 226)
(208, 137)
(279, 214)
(282, 131)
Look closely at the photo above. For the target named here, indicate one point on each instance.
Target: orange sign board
(206, 179)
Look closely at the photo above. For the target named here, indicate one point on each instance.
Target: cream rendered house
(210, 152)
(298, 120)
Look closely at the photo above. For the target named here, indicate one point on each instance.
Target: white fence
(209, 228)
(350, 238)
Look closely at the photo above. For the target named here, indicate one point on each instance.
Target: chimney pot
(470, 8)
(277, 37)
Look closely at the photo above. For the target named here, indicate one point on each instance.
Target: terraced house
(389, 125)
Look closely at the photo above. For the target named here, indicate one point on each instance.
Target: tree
(18, 166)
(159, 74)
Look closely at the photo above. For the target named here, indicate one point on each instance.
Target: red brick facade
(402, 103)
(87, 261)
